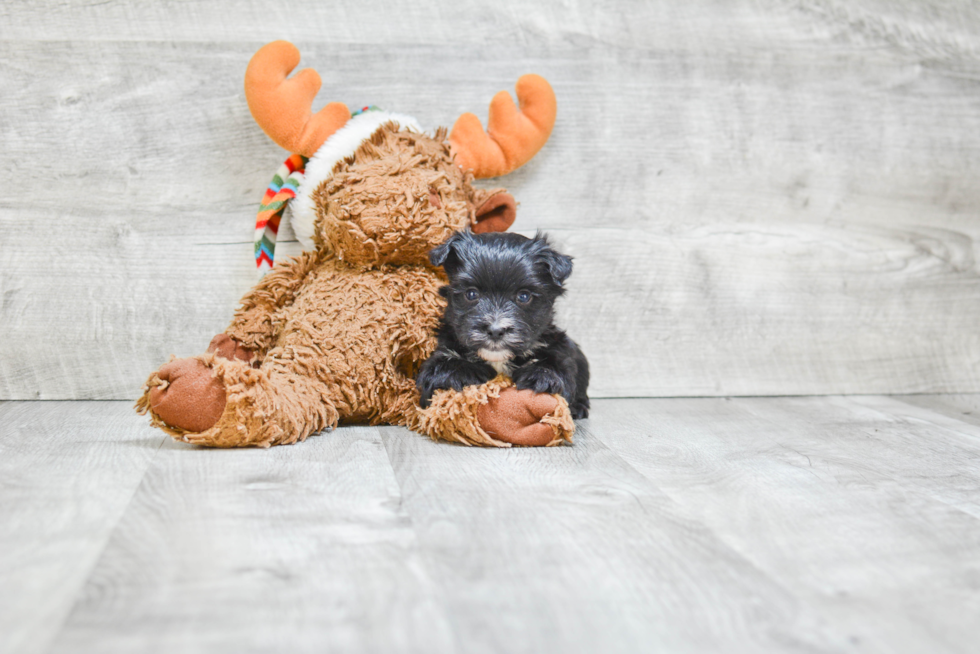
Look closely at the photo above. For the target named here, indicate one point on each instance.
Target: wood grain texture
(773, 197)
(571, 550)
(68, 472)
(831, 497)
(294, 549)
(964, 407)
(940, 26)
(815, 524)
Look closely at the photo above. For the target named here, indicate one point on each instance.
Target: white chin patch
(498, 359)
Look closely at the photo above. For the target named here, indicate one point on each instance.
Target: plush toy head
(376, 190)
(396, 198)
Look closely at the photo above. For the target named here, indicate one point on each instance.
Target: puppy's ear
(557, 265)
(445, 255)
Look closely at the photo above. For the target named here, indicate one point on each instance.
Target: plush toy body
(339, 333)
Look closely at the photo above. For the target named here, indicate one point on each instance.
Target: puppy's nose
(498, 331)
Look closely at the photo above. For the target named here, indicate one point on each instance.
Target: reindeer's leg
(493, 414)
(185, 394)
(496, 414)
(271, 405)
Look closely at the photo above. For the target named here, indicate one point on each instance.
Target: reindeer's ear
(495, 213)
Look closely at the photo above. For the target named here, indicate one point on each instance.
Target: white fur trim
(341, 144)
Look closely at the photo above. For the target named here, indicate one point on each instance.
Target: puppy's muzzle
(498, 331)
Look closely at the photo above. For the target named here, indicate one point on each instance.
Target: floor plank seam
(109, 534)
(683, 509)
(972, 435)
(423, 556)
(883, 473)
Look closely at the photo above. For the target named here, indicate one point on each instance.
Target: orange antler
(513, 136)
(283, 107)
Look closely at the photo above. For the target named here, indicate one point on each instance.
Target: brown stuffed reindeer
(338, 333)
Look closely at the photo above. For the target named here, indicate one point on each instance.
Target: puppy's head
(502, 290)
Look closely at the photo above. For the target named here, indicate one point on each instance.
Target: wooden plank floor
(810, 524)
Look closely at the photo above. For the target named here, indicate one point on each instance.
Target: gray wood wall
(770, 197)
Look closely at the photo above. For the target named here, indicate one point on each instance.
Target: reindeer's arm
(496, 414)
(253, 325)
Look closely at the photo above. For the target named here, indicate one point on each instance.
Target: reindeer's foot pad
(185, 395)
(526, 418)
(497, 414)
(213, 401)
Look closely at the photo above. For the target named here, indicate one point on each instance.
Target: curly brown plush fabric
(473, 416)
(338, 334)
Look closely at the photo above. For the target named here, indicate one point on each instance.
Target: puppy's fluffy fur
(500, 319)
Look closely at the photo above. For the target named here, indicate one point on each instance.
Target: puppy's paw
(539, 379)
(442, 376)
(467, 376)
(579, 410)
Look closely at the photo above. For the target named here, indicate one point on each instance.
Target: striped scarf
(281, 190)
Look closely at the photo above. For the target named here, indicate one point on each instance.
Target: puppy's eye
(523, 297)
(472, 294)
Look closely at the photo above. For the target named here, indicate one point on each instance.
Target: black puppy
(499, 319)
